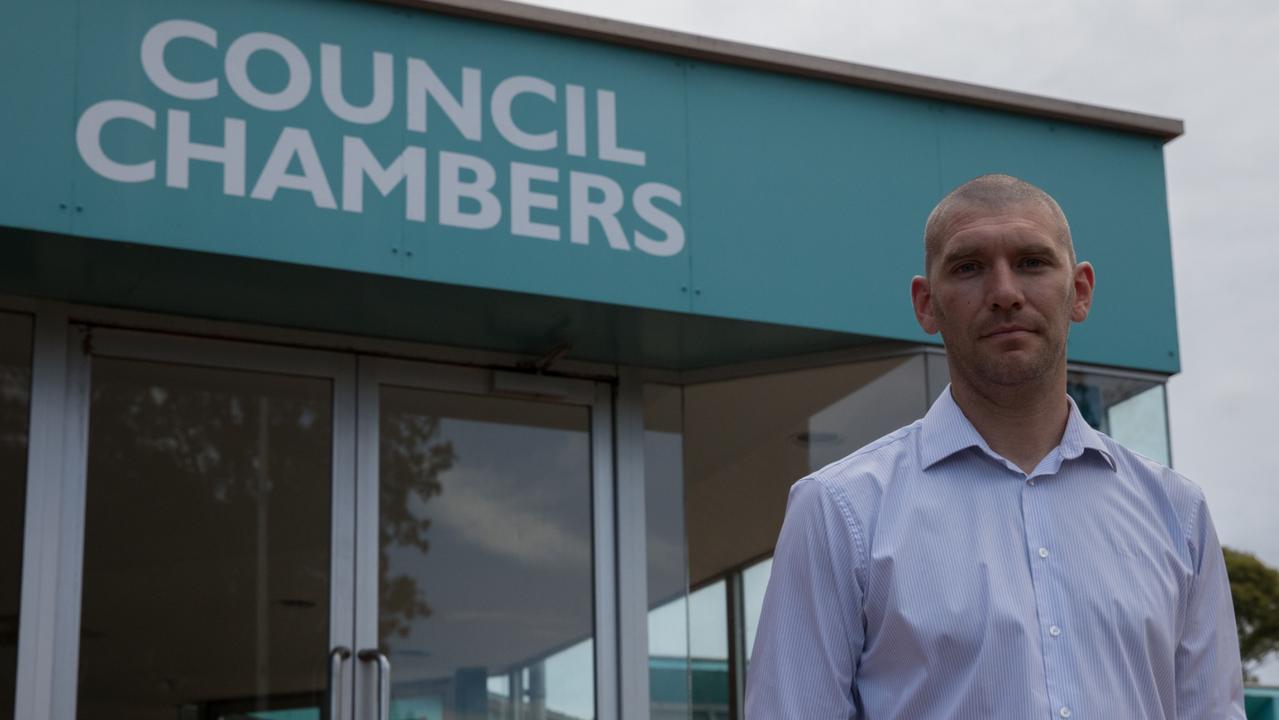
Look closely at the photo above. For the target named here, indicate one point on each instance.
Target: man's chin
(1011, 369)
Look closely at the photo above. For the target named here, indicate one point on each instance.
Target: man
(997, 559)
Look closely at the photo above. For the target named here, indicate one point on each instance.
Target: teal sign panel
(371, 138)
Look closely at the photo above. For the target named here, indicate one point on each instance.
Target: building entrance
(280, 534)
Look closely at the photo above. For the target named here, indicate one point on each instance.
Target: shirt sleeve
(1209, 673)
(810, 628)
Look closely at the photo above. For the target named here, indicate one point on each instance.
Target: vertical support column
(736, 646)
(53, 545)
(603, 508)
(515, 683)
(367, 511)
(40, 544)
(75, 468)
(342, 561)
(1163, 391)
(632, 549)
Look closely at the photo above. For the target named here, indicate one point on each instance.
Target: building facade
(453, 359)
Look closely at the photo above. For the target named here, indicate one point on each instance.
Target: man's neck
(1022, 423)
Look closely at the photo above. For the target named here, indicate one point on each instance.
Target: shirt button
(1030, 483)
(1043, 552)
(1054, 631)
(1064, 711)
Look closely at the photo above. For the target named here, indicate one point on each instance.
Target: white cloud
(504, 524)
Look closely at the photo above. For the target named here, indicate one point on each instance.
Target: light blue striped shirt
(924, 576)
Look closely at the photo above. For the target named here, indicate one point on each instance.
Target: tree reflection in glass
(207, 532)
(411, 457)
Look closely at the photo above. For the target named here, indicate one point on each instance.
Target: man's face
(1002, 292)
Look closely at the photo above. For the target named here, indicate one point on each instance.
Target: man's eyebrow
(1040, 248)
(967, 252)
(960, 253)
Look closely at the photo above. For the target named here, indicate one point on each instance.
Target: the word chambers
(468, 189)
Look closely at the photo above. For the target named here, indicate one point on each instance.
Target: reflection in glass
(1140, 424)
(938, 373)
(747, 440)
(754, 582)
(669, 677)
(15, 414)
(485, 574)
(708, 651)
(1130, 410)
(206, 565)
(707, 620)
(668, 657)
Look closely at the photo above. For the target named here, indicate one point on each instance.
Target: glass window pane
(938, 375)
(486, 567)
(667, 553)
(708, 649)
(207, 533)
(1130, 410)
(754, 582)
(1139, 423)
(15, 417)
(746, 441)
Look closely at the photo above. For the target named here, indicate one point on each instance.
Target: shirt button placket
(1039, 577)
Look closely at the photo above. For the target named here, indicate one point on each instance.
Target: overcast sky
(1213, 65)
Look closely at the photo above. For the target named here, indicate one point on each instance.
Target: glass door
(253, 532)
(484, 549)
(217, 570)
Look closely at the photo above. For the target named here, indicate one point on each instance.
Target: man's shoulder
(858, 483)
(875, 463)
(1156, 480)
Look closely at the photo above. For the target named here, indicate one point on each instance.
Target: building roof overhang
(791, 63)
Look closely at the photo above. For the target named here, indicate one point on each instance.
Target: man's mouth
(1008, 331)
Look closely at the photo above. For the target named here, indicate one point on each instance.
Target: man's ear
(921, 296)
(1085, 281)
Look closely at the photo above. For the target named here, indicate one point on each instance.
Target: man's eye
(1033, 263)
(965, 268)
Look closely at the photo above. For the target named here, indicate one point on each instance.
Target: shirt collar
(1081, 436)
(946, 431)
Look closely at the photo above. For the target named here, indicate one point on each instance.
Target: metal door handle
(383, 680)
(337, 656)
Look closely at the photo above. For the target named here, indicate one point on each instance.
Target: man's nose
(1004, 291)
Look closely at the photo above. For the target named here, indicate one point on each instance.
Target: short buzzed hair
(988, 193)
